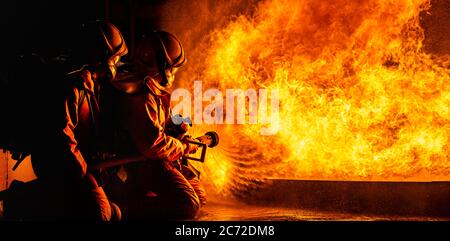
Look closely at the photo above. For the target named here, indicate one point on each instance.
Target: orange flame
(360, 99)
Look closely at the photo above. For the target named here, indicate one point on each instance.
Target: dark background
(48, 27)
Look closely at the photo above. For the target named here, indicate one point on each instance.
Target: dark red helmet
(159, 53)
(101, 43)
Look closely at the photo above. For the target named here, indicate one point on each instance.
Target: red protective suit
(154, 188)
(68, 145)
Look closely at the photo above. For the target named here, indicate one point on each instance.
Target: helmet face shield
(112, 65)
(166, 77)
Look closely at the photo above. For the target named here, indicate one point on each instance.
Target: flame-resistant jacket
(142, 112)
(68, 145)
(142, 117)
(70, 134)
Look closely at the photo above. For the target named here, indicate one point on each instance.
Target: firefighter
(70, 143)
(155, 188)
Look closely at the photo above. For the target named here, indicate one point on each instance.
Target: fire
(359, 97)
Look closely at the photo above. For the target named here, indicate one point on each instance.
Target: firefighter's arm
(72, 165)
(149, 136)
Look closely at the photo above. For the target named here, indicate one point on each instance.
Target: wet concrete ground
(234, 211)
(286, 199)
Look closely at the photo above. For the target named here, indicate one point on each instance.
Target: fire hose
(210, 139)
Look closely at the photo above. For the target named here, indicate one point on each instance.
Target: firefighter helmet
(159, 53)
(101, 43)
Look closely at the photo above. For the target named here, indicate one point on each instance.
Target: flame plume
(360, 98)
